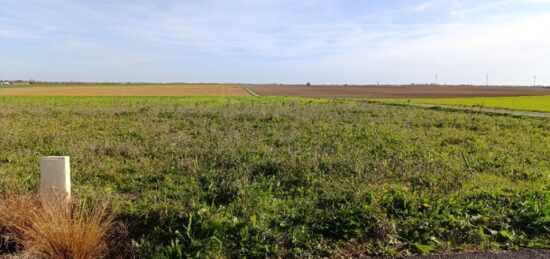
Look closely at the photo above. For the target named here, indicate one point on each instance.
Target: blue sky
(283, 41)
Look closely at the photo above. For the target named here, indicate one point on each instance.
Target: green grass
(137, 101)
(526, 103)
(282, 177)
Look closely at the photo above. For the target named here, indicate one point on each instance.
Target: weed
(281, 177)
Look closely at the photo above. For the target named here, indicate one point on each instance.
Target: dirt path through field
(474, 109)
(521, 254)
(249, 91)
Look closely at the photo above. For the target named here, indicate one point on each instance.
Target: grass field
(161, 101)
(289, 177)
(124, 90)
(526, 103)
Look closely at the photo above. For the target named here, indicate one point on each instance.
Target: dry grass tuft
(41, 228)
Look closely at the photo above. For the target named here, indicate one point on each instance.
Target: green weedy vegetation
(144, 102)
(255, 176)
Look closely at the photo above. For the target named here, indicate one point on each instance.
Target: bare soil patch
(126, 90)
(396, 91)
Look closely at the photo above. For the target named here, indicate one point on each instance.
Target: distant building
(20, 82)
(15, 82)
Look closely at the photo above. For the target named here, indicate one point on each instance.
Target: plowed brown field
(396, 91)
(125, 90)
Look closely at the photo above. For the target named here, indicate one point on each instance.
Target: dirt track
(476, 109)
(126, 90)
(396, 91)
(521, 254)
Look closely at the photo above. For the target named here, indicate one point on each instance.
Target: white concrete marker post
(55, 176)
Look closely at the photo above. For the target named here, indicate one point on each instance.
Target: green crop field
(289, 177)
(526, 103)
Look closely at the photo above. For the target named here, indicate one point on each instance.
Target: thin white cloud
(425, 5)
(509, 48)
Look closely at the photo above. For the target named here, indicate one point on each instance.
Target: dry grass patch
(38, 228)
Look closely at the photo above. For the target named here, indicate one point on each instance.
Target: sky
(277, 41)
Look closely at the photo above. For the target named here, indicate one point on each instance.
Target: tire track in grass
(471, 109)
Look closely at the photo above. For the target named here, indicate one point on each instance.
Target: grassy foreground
(258, 176)
(526, 103)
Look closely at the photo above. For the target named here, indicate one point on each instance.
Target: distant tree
(308, 84)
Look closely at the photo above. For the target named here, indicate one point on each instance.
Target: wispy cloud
(360, 41)
(425, 5)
